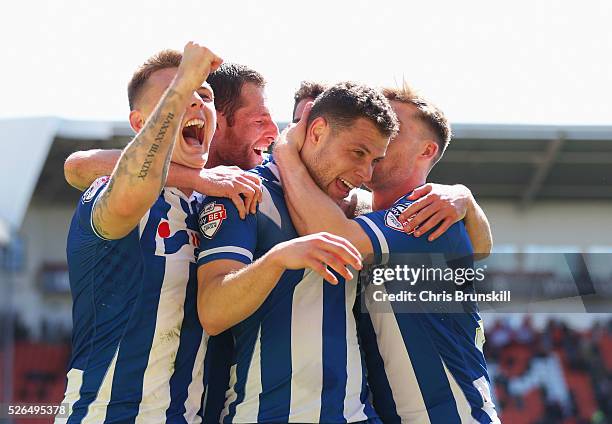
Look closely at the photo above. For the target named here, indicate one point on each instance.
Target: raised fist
(198, 62)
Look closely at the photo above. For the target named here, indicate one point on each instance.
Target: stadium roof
(523, 163)
(529, 162)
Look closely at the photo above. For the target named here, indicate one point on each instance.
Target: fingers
(338, 247)
(305, 115)
(333, 251)
(215, 63)
(196, 64)
(243, 188)
(422, 211)
(354, 254)
(334, 262)
(317, 252)
(420, 192)
(321, 269)
(239, 203)
(248, 195)
(251, 189)
(254, 178)
(441, 229)
(407, 216)
(433, 220)
(296, 133)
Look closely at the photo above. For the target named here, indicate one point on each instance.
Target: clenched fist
(198, 62)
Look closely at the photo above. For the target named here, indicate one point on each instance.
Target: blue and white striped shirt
(296, 359)
(138, 346)
(423, 367)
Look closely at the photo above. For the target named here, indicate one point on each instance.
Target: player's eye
(375, 161)
(359, 153)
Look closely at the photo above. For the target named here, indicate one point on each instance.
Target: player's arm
(243, 188)
(230, 291)
(443, 205)
(312, 210)
(141, 171)
(82, 168)
(479, 230)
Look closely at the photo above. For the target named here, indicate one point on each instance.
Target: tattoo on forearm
(129, 170)
(99, 212)
(159, 138)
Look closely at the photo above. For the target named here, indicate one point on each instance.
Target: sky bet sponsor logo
(211, 218)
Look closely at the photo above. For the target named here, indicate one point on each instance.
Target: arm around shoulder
(479, 230)
(82, 168)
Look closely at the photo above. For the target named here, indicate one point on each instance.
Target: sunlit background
(522, 61)
(526, 84)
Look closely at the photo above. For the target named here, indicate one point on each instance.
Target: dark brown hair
(227, 82)
(345, 102)
(307, 90)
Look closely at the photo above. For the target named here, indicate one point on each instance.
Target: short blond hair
(428, 113)
(162, 60)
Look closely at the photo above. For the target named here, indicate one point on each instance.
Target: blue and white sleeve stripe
(225, 252)
(379, 242)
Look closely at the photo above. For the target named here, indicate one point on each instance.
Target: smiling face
(340, 159)
(252, 132)
(198, 124)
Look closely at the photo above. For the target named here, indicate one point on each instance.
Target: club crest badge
(391, 217)
(94, 188)
(211, 218)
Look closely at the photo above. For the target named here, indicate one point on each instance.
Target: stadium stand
(558, 375)
(534, 183)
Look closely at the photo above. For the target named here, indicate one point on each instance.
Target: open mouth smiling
(346, 183)
(193, 132)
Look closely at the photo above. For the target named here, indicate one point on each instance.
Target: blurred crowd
(557, 375)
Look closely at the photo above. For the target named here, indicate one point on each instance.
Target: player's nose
(365, 172)
(196, 101)
(271, 130)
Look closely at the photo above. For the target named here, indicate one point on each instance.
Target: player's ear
(317, 129)
(137, 120)
(430, 150)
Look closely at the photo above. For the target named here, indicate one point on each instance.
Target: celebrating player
(296, 353)
(333, 155)
(426, 367)
(138, 345)
(244, 130)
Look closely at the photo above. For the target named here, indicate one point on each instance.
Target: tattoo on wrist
(159, 138)
(100, 209)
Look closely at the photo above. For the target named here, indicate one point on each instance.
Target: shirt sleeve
(86, 204)
(224, 234)
(370, 224)
(461, 254)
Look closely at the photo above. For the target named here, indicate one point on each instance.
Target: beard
(233, 151)
(320, 169)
